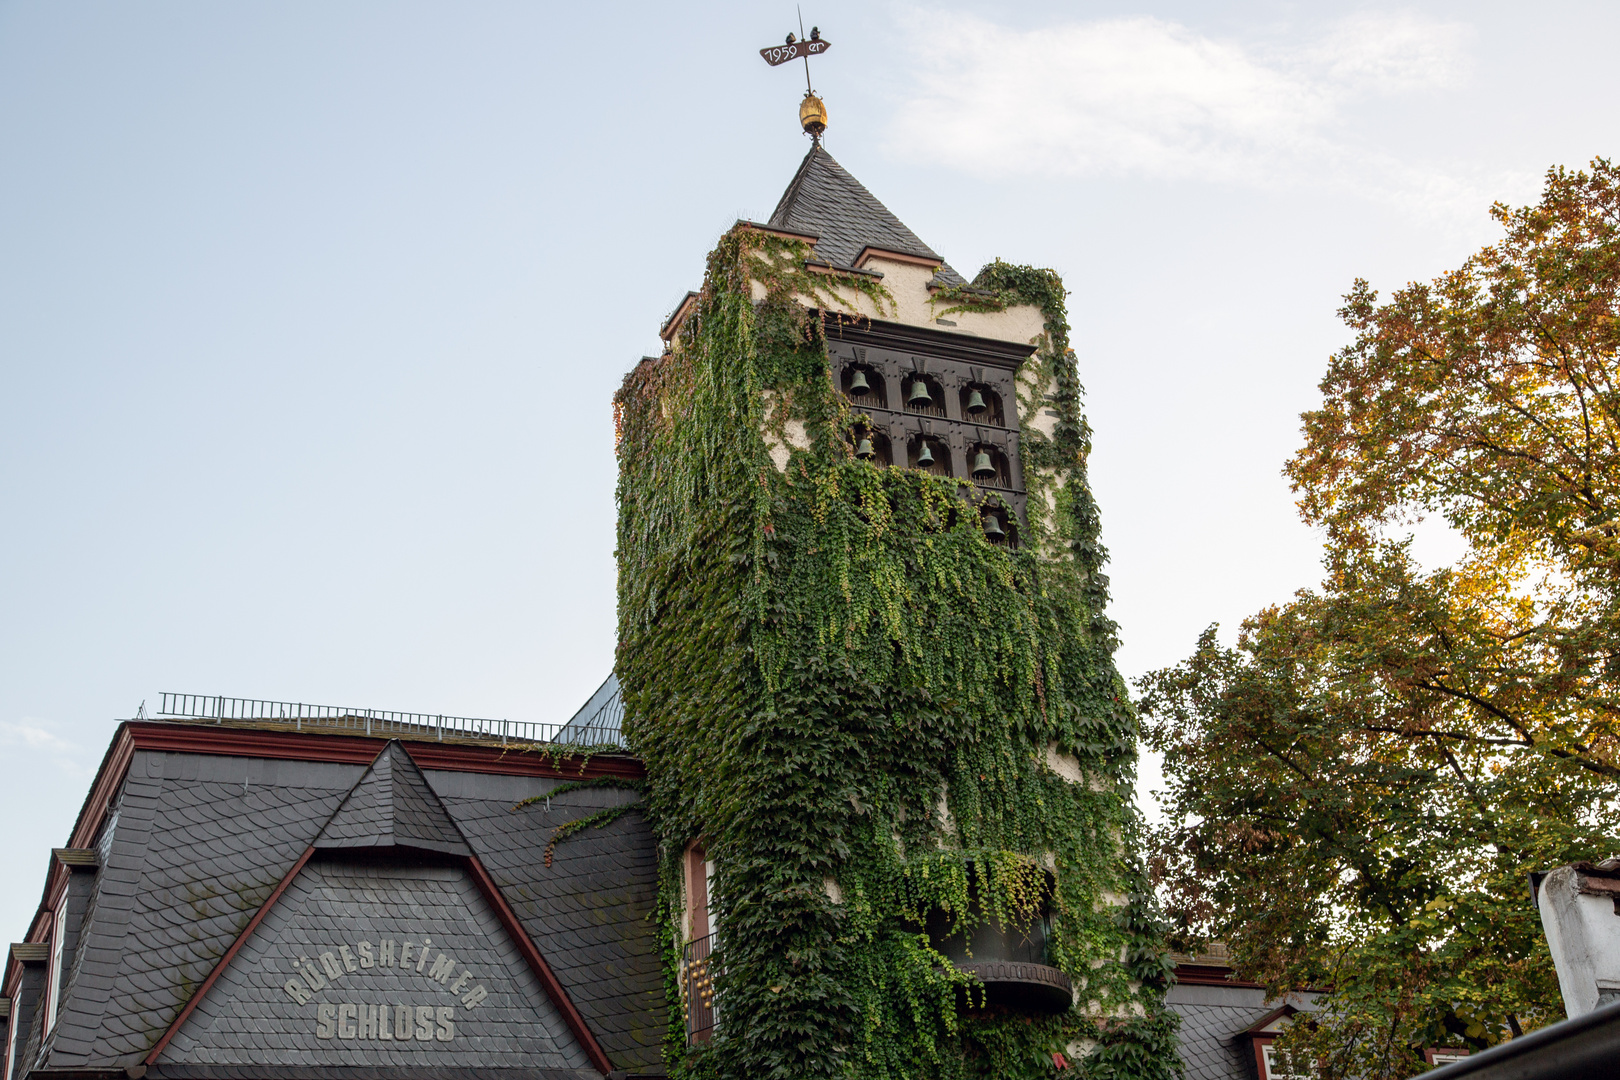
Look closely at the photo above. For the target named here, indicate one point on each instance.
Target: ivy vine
(852, 698)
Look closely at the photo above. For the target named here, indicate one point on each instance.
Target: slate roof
(600, 721)
(392, 805)
(590, 911)
(247, 1018)
(826, 201)
(195, 843)
(1211, 1017)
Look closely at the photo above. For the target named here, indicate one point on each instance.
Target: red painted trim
(363, 750)
(1257, 1046)
(542, 970)
(1211, 975)
(868, 253)
(240, 742)
(230, 954)
(521, 762)
(109, 778)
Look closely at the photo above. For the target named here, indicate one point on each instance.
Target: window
(1444, 1055)
(10, 1026)
(1278, 1065)
(54, 971)
(697, 969)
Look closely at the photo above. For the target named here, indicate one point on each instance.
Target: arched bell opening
(987, 464)
(871, 446)
(923, 394)
(929, 454)
(982, 405)
(1008, 960)
(1000, 525)
(864, 386)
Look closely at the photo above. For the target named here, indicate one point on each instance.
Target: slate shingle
(590, 913)
(1210, 1018)
(825, 200)
(249, 1017)
(393, 805)
(188, 864)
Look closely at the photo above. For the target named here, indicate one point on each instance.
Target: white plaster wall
(1583, 933)
(914, 306)
(797, 437)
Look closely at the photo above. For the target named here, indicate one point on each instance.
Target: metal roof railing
(602, 729)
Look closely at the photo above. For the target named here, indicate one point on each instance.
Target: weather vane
(812, 113)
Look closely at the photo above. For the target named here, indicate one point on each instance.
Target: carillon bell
(919, 397)
(863, 449)
(983, 467)
(925, 456)
(858, 384)
(976, 403)
(992, 527)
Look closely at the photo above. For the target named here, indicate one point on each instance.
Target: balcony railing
(697, 990)
(601, 728)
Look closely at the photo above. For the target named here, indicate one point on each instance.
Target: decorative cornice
(672, 325)
(868, 253)
(899, 337)
(77, 858)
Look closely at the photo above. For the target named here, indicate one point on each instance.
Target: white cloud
(1152, 98)
(33, 738)
(1389, 53)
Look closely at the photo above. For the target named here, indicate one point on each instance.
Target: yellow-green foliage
(816, 661)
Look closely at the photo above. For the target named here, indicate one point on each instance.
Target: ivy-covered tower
(865, 654)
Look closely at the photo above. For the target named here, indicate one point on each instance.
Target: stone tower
(864, 653)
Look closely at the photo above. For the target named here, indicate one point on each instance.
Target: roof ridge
(825, 199)
(792, 191)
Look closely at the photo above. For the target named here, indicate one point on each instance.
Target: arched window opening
(929, 454)
(864, 386)
(982, 405)
(988, 466)
(871, 446)
(924, 395)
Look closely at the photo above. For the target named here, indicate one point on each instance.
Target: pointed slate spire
(391, 805)
(826, 201)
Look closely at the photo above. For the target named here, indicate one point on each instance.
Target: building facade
(856, 801)
(249, 900)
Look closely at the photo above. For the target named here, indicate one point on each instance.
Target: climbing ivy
(852, 698)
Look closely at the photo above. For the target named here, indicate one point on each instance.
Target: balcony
(697, 990)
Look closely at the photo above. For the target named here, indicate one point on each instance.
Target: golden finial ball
(812, 115)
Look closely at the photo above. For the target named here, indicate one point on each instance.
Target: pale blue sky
(310, 313)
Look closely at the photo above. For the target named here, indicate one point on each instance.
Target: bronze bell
(925, 456)
(919, 397)
(858, 384)
(976, 403)
(863, 449)
(983, 467)
(992, 527)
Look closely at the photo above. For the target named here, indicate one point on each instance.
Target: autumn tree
(1359, 788)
